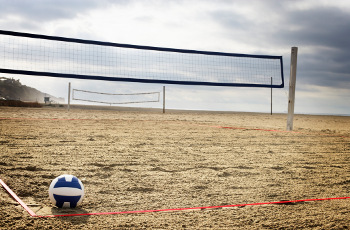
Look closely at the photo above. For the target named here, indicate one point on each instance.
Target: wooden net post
(68, 106)
(163, 99)
(292, 81)
(271, 95)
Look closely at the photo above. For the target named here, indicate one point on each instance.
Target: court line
(160, 210)
(194, 208)
(267, 130)
(275, 130)
(203, 125)
(17, 199)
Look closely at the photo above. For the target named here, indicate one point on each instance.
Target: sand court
(145, 160)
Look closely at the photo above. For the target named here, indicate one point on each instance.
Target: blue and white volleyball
(66, 191)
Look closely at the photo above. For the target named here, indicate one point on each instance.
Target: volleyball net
(52, 56)
(115, 98)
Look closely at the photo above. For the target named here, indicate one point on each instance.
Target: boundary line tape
(203, 125)
(274, 130)
(17, 198)
(160, 210)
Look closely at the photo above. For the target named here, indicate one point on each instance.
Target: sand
(145, 160)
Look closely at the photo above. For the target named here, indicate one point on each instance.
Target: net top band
(92, 42)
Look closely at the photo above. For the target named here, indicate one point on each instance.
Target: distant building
(47, 100)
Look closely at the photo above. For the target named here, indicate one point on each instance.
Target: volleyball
(66, 191)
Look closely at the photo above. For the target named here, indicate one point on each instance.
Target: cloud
(320, 31)
(324, 32)
(320, 27)
(323, 99)
(24, 15)
(39, 10)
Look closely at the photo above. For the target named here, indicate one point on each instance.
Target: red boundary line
(193, 208)
(267, 130)
(159, 210)
(274, 130)
(17, 199)
(211, 126)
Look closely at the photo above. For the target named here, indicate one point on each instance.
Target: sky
(320, 29)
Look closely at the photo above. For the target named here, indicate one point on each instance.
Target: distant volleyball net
(115, 98)
(52, 56)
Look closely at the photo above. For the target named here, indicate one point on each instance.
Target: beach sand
(138, 159)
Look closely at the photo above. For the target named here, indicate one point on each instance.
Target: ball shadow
(78, 219)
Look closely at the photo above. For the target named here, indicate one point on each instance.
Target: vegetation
(17, 103)
(13, 93)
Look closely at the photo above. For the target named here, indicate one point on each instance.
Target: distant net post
(69, 90)
(292, 82)
(271, 94)
(163, 99)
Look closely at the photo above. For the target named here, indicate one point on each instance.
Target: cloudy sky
(320, 29)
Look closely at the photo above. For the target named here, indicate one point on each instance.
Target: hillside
(12, 89)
